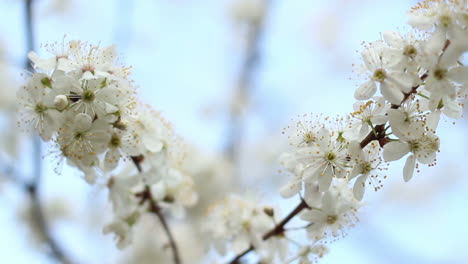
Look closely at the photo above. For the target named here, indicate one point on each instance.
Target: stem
(279, 228)
(276, 231)
(238, 257)
(154, 208)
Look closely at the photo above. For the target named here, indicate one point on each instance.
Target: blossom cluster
(244, 222)
(410, 81)
(83, 102)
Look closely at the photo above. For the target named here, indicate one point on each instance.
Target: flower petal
(291, 188)
(408, 170)
(365, 91)
(359, 187)
(395, 150)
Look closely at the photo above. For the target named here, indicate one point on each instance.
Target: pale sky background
(184, 55)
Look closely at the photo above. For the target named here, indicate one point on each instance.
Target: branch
(244, 82)
(380, 129)
(154, 208)
(32, 190)
(276, 231)
(378, 133)
(38, 215)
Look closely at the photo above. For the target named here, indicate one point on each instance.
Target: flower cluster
(409, 82)
(243, 222)
(84, 103)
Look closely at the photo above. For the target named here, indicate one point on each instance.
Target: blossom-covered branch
(84, 102)
(419, 79)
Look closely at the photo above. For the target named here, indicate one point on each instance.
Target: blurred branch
(32, 188)
(37, 212)
(244, 85)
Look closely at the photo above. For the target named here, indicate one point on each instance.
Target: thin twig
(276, 231)
(156, 209)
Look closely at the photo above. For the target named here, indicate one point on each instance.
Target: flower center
(410, 51)
(379, 75)
(440, 73)
(445, 20)
(309, 137)
(115, 141)
(414, 146)
(89, 68)
(40, 108)
(331, 219)
(79, 135)
(46, 82)
(366, 167)
(88, 96)
(330, 156)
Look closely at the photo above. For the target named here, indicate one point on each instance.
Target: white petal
(453, 109)
(408, 170)
(365, 91)
(395, 150)
(153, 143)
(325, 180)
(392, 38)
(426, 157)
(379, 120)
(404, 81)
(432, 120)
(459, 74)
(240, 244)
(111, 160)
(359, 187)
(291, 188)
(312, 195)
(421, 21)
(392, 93)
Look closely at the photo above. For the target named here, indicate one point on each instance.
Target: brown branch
(154, 208)
(240, 255)
(278, 230)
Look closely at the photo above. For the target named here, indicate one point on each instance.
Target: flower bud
(61, 102)
(83, 121)
(269, 211)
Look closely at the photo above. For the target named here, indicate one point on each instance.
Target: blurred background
(229, 94)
